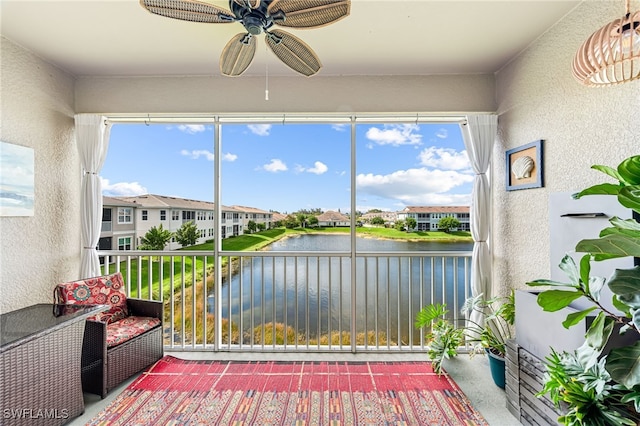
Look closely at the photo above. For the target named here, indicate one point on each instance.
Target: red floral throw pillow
(103, 290)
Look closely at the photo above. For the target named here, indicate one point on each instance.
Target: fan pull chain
(266, 82)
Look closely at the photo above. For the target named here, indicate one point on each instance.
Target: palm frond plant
(444, 339)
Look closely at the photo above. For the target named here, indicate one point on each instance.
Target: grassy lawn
(392, 233)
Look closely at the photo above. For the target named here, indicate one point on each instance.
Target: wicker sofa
(119, 342)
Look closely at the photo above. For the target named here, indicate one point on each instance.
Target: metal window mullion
(217, 247)
(353, 245)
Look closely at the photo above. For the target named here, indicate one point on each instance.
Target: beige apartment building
(125, 220)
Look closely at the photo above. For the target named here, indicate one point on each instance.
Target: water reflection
(314, 294)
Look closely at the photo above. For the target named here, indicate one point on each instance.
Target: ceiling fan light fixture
(611, 55)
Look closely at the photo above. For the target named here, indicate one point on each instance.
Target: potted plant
(595, 385)
(445, 339)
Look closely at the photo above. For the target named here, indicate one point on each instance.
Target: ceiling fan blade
(308, 13)
(237, 54)
(188, 10)
(295, 53)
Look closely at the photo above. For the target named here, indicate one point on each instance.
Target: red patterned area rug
(181, 392)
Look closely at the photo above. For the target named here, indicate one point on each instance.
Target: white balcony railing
(294, 301)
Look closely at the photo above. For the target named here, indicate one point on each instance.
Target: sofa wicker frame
(105, 368)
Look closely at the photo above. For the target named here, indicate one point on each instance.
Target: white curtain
(479, 138)
(92, 138)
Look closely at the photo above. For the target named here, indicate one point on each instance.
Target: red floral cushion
(104, 290)
(125, 329)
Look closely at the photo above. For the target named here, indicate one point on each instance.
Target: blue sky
(287, 167)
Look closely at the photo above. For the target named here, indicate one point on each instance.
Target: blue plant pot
(497, 366)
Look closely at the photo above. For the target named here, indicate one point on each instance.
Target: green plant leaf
(600, 189)
(625, 281)
(629, 170)
(629, 224)
(430, 313)
(608, 171)
(585, 270)
(623, 364)
(599, 332)
(629, 196)
(576, 317)
(610, 246)
(568, 265)
(546, 283)
(554, 300)
(622, 307)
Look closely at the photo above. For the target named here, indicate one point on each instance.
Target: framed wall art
(16, 180)
(524, 166)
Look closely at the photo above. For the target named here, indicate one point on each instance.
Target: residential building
(118, 231)
(333, 218)
(256, 215)
(428, 217)
(150, 210)
(388, 217)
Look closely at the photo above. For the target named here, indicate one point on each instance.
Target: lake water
(314, 294)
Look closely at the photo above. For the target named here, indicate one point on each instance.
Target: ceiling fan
(259, 16)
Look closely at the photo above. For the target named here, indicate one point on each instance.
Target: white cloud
(122, 189)
(229, 157)
(260, 129)
(275, 166)
(192, 129)
(444, 158)
(442, 133)
(395, 135)
(318, 168)
(208, 155)
(197, 153)
(416, 186)
(340, 127)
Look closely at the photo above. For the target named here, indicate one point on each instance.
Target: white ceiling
(380, 37)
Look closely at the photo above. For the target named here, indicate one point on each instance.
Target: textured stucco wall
(36, 111)
(359, 94)
(539, 99)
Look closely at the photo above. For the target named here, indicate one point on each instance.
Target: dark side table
(40, 363)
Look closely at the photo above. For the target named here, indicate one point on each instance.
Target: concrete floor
(472, 375)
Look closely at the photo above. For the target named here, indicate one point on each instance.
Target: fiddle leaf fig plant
(597, 388)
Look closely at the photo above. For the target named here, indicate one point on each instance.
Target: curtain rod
(286, 118)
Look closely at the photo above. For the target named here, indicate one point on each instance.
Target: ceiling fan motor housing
(255, 20)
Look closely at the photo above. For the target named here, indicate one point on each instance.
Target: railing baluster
(381, 277)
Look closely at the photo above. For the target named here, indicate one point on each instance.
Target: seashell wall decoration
(522, 167)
